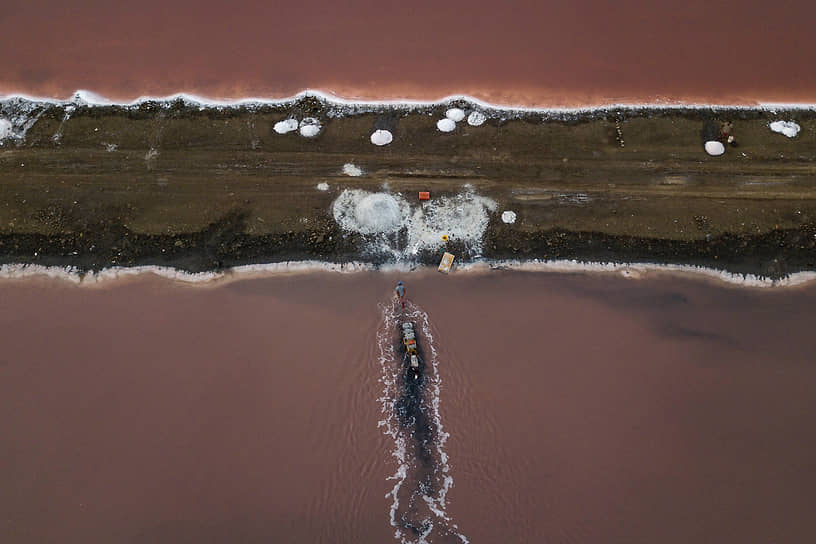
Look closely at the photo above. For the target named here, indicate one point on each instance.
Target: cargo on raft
(411, 358)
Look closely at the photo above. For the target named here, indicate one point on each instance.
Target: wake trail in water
(410, 416)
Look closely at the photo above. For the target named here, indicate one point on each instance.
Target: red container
(424, 195)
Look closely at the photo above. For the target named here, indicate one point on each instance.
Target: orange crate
(424, 195)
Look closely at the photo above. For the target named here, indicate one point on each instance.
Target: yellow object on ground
(446, 263)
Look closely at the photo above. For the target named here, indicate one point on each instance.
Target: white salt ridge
(788, 128)
(445, 125)
(381, 137)
(11, 272)
(323, 186)
(352, 170)
(309, 127)
(455, 114)
(476, 119)
(509, 217)
(714, 148)
(5, 129)
(85, 97)
(288, 125)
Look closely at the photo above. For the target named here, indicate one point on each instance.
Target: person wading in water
(400, 293)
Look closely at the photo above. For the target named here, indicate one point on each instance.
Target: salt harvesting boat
(411, 358)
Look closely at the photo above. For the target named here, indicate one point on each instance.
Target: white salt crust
(714, 148)
(288, 125)
(445, 125)
(381, 137)
(455, 114)
(788, 128)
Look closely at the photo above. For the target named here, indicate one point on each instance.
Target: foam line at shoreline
(89, 98)
(107, 276)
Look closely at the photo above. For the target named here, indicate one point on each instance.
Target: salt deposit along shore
(203, 188)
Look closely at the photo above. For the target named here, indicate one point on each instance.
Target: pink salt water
(579, 408)
(562, 53)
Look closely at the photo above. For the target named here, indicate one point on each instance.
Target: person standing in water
(401, 293)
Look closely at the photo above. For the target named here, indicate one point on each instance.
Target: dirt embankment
(199, 189)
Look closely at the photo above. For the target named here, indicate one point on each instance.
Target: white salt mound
(445, 125)
(714, 148)
(282, 127)
(788, 128)
(381, 137)
(309, 127)
(509, 217)
(352, 170)
(476, 118)
(5, 129)
(323, 186)
(455, 114)
(368, 213)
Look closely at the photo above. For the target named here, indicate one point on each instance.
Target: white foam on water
(5, 129)
(323, 186)
(352, 170)
(476, 118)
(381, 137)
(455, 114)
(445, 125)
(310, 127)
(788, 128)
(714, 148)
(287, 125)
(509, 217)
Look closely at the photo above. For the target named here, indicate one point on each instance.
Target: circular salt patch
(476, 118)
(378, 212)
(5, 129)
(445, 125)
(282, 127)
(714, 148)
(509, 217)
(455, 114)
(323, 186)
(381, 137)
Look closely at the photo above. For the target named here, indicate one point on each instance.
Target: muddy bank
(202, 188)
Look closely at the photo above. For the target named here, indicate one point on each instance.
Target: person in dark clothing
(400, 293)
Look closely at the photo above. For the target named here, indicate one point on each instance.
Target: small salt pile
(309, 127)
(352, 170)
(455, 114)
(381, 137)
(282, 127)
(476, 118)
(509, 217)
(714, 148)
(445, 125)
(323, 186)
(788, 128)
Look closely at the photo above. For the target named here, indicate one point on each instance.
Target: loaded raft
(411, 358)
